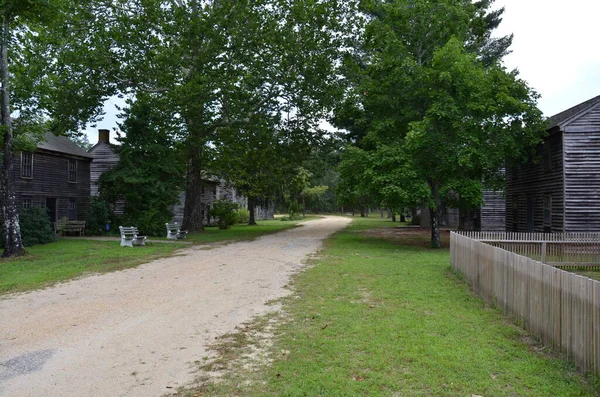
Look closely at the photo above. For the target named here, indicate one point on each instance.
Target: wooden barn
(559, 190)
(55, 176)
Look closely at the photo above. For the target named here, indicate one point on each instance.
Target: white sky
(556, 48)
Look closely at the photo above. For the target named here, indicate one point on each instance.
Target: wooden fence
(562, 308)
(556, 249)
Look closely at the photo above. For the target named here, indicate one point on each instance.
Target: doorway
(529, 214)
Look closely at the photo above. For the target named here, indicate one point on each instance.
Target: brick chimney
(104, 136)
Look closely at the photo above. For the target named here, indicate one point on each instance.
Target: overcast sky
(555, 48)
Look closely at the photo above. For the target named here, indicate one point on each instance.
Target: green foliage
(36, 227)
(100, 215)
(226, 213)
(434, 114)
(243, 215)
(150, 174)
(294, 212)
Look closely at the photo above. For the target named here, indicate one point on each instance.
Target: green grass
(65, 259)
(62, 260)
(382, 315)
(243, 232)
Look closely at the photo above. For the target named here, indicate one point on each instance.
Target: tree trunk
(13, 245)
(435, 215)
(402, 217)
(193, 211)
(251, 208)
(362, 212)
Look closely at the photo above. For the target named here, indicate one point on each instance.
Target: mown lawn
(64, 259)
(383, 315)
(243, 232)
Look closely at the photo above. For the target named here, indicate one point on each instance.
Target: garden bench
(66, 225)
(130, 237)
(174, 233)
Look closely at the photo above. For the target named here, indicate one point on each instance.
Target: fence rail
(556, 249)
(561, 307)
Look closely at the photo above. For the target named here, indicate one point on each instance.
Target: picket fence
(560, 307)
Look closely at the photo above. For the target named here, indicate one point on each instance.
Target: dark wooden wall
(493, 211)
(50, 180)
(533, 181)
(582, 181)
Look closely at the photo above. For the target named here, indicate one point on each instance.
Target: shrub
(243, 215)
(294, 211)
(226, 213)
(36, 227)
(100, 215)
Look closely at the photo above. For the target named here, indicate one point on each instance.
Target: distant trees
(431, 109)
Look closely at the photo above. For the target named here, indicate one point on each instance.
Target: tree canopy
(430, 96)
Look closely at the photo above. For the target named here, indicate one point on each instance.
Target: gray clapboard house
(55, 176)
(559, 191)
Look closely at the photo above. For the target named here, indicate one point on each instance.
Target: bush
(100, 215)
(36, 227)
(243, 215)
(294, 212)
(226, 213)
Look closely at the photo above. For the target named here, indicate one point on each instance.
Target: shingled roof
(61, 144)
(561, 117)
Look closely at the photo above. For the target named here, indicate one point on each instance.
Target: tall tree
(151, 168)
(228, 65)
(430, 90)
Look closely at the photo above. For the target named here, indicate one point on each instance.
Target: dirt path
(136, 332)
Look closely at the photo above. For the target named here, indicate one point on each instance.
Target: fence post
(543, 252)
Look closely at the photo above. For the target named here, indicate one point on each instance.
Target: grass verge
(243, 232)
(62, 260)
(382, 315)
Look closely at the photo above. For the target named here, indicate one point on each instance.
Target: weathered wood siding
(493, 211)
(104, 159)
(50, 180)
(582, 178)
(531, 182)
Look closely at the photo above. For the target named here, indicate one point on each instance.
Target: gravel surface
(137, 332)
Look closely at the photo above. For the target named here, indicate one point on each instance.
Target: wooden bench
(66, 225)
(130, 237)
(174, 233)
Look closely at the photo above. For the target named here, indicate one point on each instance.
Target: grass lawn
(383, 315)
(243, 232)
(65, 259)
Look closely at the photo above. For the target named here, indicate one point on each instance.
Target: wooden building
(55, 176)
(559, 190)
(105, 158)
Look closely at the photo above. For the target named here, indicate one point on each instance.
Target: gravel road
(137, 332)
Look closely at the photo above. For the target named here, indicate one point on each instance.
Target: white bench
(174, 233)
(130, 237)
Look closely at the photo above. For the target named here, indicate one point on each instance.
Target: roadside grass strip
(44, 265)
(243, 232)
(380, 314)
(65, 259)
